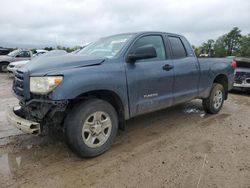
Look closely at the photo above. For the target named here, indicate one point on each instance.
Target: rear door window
(178, 48)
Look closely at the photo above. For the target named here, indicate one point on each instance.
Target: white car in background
(12, 67)
(39, 52)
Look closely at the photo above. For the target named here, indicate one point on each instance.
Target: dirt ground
(177, 147)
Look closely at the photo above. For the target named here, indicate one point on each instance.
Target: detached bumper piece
(22, 124)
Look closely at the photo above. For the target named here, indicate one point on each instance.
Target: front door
(150, 81)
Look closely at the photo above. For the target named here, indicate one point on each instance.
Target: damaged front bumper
(22, 124)
(37, 116)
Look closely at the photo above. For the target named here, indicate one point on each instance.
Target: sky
(40, 23)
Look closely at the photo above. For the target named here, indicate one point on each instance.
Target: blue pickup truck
(91, 94)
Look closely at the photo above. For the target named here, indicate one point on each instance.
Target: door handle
(167, 67)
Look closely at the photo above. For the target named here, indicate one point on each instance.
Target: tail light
(233, 64)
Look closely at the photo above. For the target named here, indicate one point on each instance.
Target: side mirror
(145, 52)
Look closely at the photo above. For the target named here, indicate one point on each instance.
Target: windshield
(106, 47)
(13, 53)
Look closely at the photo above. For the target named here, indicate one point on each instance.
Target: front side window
(106, 47)
(154, 41)
(178, 48)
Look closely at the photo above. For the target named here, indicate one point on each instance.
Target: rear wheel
(3, 67)
(91, 127)
(214, 102)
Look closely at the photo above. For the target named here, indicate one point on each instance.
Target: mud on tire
(214, 102)
(91, 127)
(3, 67)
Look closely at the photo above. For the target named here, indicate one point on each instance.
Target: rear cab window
(178, 48)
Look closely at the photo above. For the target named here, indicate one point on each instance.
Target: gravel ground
(177, 147)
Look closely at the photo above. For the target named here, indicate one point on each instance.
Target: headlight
(44, 85)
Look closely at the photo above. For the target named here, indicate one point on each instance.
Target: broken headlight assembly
(44, 85)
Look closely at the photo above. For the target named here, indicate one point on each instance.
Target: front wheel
(3, 67)
(214, 102)
(91, 127)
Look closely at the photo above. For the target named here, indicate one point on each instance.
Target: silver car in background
(14, 66)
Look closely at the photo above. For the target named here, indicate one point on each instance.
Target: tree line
(232, 43)
(67, 49)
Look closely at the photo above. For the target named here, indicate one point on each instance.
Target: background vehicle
(14, 66)
(203, 55)
(4, 51)
(90, 94)
(16, 55)
(39, 52)
(242, 74)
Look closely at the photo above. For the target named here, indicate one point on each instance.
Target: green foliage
(48, 48)
(232, 41)
(230, 44)
(33, 50)
(197, 50)
(219, 47)
(244, 50)
(208, 47)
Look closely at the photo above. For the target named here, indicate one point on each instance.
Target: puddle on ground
(17, 162)
(4, 165)
(194, 108)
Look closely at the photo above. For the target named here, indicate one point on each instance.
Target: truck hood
(50, 65)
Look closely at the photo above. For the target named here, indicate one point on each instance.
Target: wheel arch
(110, 96)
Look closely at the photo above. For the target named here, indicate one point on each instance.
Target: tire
(91, 127)
(214, 102)
(3, 67)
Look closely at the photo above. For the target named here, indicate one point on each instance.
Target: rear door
(186, 70)
(150, 81)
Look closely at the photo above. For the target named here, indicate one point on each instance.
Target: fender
(93, 78)
(210, 70)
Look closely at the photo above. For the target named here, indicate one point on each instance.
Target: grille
(18, 84)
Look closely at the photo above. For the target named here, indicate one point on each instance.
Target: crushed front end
(35, 113)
